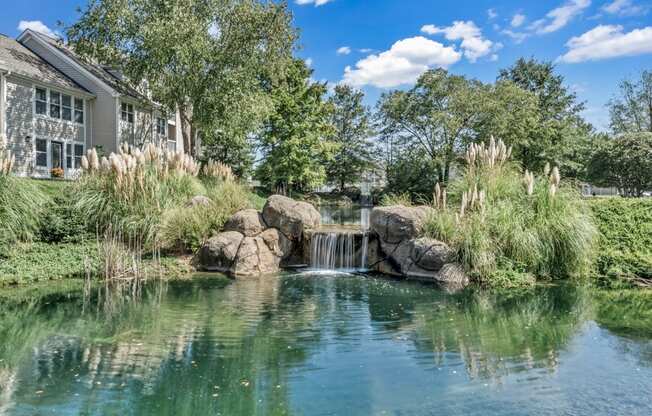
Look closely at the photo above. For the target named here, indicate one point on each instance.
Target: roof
(21, 61)
(115, 83)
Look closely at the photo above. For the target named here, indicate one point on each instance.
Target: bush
(625, 241)
(511, 230)
(61, 221)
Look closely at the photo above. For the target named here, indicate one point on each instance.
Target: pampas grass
(528, 226)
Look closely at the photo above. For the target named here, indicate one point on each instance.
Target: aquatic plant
(511, 229)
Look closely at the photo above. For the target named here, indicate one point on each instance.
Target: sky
(380, 45)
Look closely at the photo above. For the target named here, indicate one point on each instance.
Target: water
(351, 215)
(328, 344)
(343, 244)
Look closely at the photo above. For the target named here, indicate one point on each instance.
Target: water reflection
(321, 344)
(349, 215)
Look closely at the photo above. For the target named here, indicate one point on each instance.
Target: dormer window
(127, 112)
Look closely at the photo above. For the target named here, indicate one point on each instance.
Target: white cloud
(473, 43)
(560, 17)
(401, 64)
(491, 13)
(317, 3)
(623, 8)
(37, 26)
(365, 50)
(608, 41)
(344, 50)
(309, 62)
(518, 20)
(518, 37)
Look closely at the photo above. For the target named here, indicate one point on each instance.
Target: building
(55, 105)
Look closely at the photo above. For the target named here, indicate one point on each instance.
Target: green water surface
(327, 344)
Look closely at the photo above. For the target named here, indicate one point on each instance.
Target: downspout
(3, 106)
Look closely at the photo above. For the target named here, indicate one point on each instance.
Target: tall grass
(144, 196)
(511, 228)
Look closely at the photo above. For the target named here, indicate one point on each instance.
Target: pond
(348, 215)
(327, 344)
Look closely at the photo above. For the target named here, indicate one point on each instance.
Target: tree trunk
(187, 129)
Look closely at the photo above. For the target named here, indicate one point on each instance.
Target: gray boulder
(430, 254)
(255, 258)
(219, 253)
(198, 201)
(398, 223)
(290, 217)
(248, 222)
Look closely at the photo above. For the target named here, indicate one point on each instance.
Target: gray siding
(19, 125)
(103, 111)
(56, 129)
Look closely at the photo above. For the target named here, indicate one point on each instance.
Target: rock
(430, 254)
(219, 253)
(278, 244)
(255, 258)
(452, 277)
(198, 201)
(398, 223)
(290, 217)
(248, 222)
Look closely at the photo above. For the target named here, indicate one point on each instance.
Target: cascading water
(331, 250)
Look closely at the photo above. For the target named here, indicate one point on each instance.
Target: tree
(631, 111)
(352, 131)
(561, 135)
(625, 162)
(293, 139)
(437, 116)
(202, 57)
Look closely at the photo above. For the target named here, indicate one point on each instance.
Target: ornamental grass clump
(131, 190)
(509, 228)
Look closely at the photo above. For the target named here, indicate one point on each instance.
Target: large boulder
(430, 254)
(248, 222)
(290, 217)
(277, 243)
(398, 223)
(219, 253)
(255, 258)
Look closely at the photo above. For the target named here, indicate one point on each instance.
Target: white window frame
(162, 122)
(127, 112)
(48, 155)
(48, 103)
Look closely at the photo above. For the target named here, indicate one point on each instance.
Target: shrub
(511, 228)
(21, 205)
(396, 199)
(625, 241)
(61, 221)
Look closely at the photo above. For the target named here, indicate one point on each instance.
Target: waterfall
(333, 250)
(364, 250)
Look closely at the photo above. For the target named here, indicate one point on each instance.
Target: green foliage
(413, 172)
(396, 199)
(293, 139)
(511, 237)
(61, 221)
(352, 131)
(631, 112)
(624, 162)
(185, 229)
(204, 57)
(625, 242)
(21, 206)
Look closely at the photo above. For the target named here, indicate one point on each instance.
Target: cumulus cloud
(344, 50)
(37, 26)
(518, 20)
(560, 17)
(518, 37)
(317, 3)
(608, 41)
(309, 62)
(491, 13)
(473, 43)
(623, 8)
(401, 64)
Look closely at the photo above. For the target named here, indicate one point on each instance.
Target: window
(79, 111)
(68, 156)
(79, 152)
(41, 153)
(66, 107)
(41, 101)
(161, 125)
(127, 112)
(55, 104)
(172, 145)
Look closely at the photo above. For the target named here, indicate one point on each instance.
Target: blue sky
(379, 45)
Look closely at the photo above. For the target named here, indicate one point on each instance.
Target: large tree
(624, 162)
(561, 135)
(436, 116)
(202, 57)
(294, 138)
(352, 133)
(631, 110)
